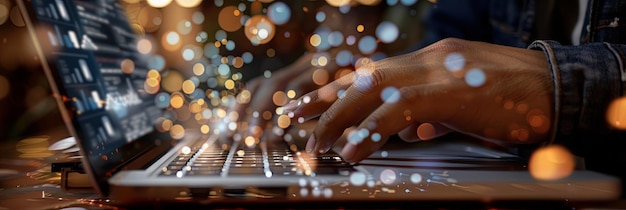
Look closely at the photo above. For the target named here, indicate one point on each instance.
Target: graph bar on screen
(53, 11)
(85, 101)
(62, 10)
(85, 69)
(96, 98)
(107, 125)
(53, 39)
(78, 77)
(74, 39)
(59, 36)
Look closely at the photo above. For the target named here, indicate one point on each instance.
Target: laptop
(84, 48)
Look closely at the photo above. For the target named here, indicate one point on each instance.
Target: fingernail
(348, 152)
(324, 149)
(310, 144)
(291, 106)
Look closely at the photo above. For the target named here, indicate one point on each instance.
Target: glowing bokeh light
(279, 13)
(4, 11)
(369, 2)
(338, 3)
(177, 101)
(390, 95)
(360, 28)
(198, 69)
(454, 62)
(279, 98)
(616, 113)
(426, 131)
(197, 17)
(144, 46)
(259, 29)
(188, 3)
(357, 178)
(188, 87)
(159, 3)
(475, 77)
(186, 150)
(315, 40)
(416, 178)
(320, 77)
(162, 100)
(172, 82)
(367, 45)
(408, 2)
(16, 17)
(388, 177)
(335, 38)
(551, 163)
(283, 121)
(228, 18)
(387, 32)
(320, 16)
(343, 58)
(156, 62)
(188, 54)
(177, 131)
(183, 27)
(127, 66)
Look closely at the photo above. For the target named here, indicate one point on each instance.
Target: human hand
(489, 91)
(255, 107)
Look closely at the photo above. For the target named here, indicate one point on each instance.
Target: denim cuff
(587, 78)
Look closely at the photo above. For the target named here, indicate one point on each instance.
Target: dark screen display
(92, 49)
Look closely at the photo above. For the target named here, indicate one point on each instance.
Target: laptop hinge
(74, 179)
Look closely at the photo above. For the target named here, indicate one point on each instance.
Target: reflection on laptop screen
(100, 71)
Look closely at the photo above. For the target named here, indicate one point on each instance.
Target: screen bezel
(99, 170)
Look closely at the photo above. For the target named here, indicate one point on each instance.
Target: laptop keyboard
(211, 159)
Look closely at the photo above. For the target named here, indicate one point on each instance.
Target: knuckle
(408, 95)
(327, 118)
(449, 45)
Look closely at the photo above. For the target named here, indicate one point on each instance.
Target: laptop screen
(92, 55)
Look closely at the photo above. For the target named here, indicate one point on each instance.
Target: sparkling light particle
(320, 16)
(4, 11)
(367, 45)
(343, 58)
(144, 46)
(475, 77)
(416, 178)
(188, 54)
(376, 137)
(159, 3)
(228, 19)
(172, 38)
(387, 32)
(388, 177)
(616, 113)
(176, 101)
(185, 150)
(188, 3)
(454, 62)
(551, 163)
(357, 178)
(284, 121)
(177, 131)
(127, 66)
(279, 13)
(390, 95)
(315, 40)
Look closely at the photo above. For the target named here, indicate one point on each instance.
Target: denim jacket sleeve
(587, 79)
